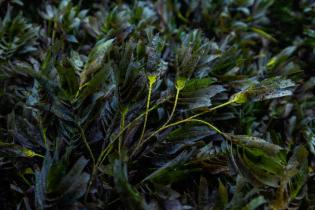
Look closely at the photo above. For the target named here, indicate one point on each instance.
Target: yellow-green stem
(25, 180)
(174, 107)
(180, 84)
(185, 120)
(189, 118)
(39, 155)
(102, 156)
(106, 151)
(152, 79)
(177, 123)
(206, 123)
(212, 109)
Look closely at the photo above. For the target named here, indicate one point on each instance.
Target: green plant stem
(39, 155)
(90, 184)
(24, 179)
(188, 119)
(87, 145)
(122, 126)
(93, 164)
(107, 150)
(174, 107)
(180, 84)
(146, 113)
(177, 123)
(182, 121)
(206, 123)
(104, 152)
(212, 109)
(93, 161)
(152, 79)
(54, 32)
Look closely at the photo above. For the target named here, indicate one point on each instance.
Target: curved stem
(39, 155)
(174, 107)
(212, 109)
(184, 120)
(187, 119)
(177, 123)
(206, 123)
(107, 150)
(165, 127)
(152, 79)
(104, 152)
(146, 113)
(180, 84)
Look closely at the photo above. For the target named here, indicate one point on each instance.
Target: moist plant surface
(163, 105)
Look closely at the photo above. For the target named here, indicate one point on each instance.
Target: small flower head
(152, 79)
(239, 97)
(180, 83)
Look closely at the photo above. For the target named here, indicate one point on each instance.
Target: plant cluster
(158, 104)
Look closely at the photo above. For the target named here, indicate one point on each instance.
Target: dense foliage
(165, 104)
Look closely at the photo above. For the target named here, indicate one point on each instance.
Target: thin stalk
(54, 32)
(177, 123)
(90, 184)
(158, 131)
(104, 152)
(38, 155)
(93, 161)
(212, 109)
(182, 121)
(187, 119)
(107, 150)
(25, 180)
(206, 123)
(87, 145)
(180, 84)
(152, 79)
(174, 107)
